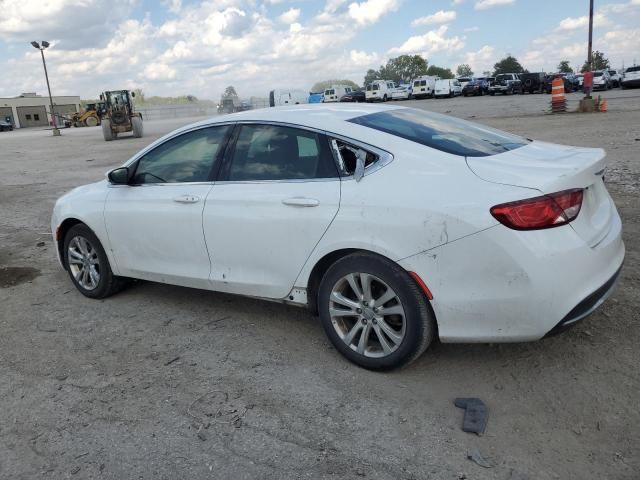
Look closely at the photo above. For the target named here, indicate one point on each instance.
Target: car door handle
(301, 202)
(186, 199)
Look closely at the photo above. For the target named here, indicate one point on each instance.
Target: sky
(181, 47)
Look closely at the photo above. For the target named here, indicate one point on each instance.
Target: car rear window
(442, 132)
(632, 69)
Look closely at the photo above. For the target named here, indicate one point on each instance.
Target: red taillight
(547, 211)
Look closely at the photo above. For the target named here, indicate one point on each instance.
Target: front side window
(273, 152)
(441, 132)
(189, 157)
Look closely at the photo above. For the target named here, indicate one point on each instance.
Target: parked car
(571, 82)
(601, 80)
(615, 77)
(423, 87)
(379, 90)
(401, 92)
(533, 82)
(5, 126)
(506, 83)
(476, 87)
(354, 96)
(335, 93)
(449, 87)
(631, 78)
(383, 250)
(580, 80)
(464, 80)
(282, 96)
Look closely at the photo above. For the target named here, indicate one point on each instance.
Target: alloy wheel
(84, 263)
(367, 315)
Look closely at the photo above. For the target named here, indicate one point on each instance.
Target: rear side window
(633, 69)
(272, 152)
(441, 132)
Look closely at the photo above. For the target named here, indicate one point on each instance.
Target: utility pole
(590, 52)
(45, 44)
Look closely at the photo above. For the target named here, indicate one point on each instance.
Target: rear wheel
(138, 130)
(87, 264)
(374, 313)
(106, 130)
(91, 121)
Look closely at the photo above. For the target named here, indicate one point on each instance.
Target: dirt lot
(163, 382)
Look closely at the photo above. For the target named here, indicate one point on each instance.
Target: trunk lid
(550, 168)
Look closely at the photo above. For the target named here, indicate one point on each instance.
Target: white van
(283, 96)
(335, 92)
(424, 86)
(379, 90)
(447, 88)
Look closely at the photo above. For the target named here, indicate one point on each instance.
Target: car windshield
(597, 74)
(503, 77)
(444, 133)
(464, 79)
(612, 72)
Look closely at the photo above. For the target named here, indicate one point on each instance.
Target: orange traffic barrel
(558, 100)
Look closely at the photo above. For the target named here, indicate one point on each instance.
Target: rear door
(278, 193)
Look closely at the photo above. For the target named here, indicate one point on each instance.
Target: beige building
(32, 110)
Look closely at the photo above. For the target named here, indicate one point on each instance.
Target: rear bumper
(631, 83)
(500, 285)
(587, 306)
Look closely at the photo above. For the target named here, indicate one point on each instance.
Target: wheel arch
(322, 265)
(66, 225)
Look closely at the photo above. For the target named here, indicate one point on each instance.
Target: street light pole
(56, 131)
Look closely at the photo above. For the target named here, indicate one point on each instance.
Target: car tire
(82, 252)
(384, 99)
(407, 332)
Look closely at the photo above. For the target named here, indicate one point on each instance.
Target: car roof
(315, 115)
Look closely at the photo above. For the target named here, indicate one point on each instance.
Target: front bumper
(501, 285)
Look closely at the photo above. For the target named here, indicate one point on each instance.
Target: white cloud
(370, 11)
(71, 22)
(457, 2)
(485, 4)
(573, 23)
(472, 29)
(430, 42)
(481, 60)
(439, 17)
(290, 16)
(174, 6)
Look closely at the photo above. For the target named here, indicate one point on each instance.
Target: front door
(155, 223)
(278, 193)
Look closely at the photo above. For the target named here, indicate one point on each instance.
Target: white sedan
(395, 225)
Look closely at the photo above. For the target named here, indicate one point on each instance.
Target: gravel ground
(163, 382)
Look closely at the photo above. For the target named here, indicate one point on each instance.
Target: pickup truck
(506, 83)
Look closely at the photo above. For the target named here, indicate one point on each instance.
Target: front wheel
(107, 133)
(136, 124)
(88, 265)
(374, 313)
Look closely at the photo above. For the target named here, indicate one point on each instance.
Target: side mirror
(119, 176)
(133, 94)
(101, 97)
